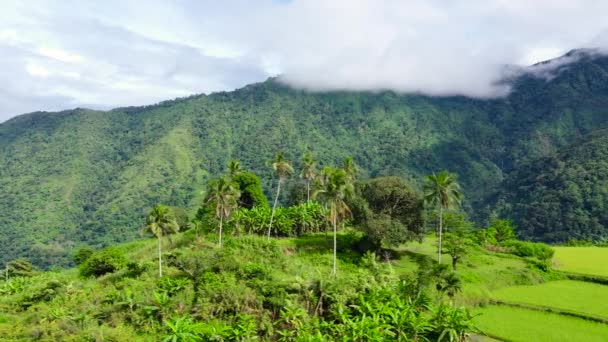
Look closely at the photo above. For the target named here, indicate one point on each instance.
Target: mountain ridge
(88, 177)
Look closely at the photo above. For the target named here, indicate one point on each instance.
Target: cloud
(60, 54)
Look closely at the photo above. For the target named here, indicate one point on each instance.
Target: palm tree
(336, 189)
(350, 168)
(225, 197)
(234, 168)
(442, 189)
(282, 169)
(160, 222)
(309, 171)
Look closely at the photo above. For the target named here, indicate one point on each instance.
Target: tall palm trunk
(440, 231)
(335, 244)
(307, 191)
(160, 257)
(274, 206)
(221, 222)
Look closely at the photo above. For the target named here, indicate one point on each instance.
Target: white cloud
(60, 54)
(37, 70)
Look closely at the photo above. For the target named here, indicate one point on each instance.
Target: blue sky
(63, 54)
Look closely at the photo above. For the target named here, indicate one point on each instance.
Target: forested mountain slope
(86, 176)
(564, 195)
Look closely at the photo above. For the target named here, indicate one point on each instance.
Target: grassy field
(583, 260)
(521, 325)
(576, 296)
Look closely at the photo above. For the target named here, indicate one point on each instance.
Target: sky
(63, 54)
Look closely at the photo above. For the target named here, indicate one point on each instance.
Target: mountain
(564, 195)
(88, 177)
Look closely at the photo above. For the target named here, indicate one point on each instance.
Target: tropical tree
(160, 222)
(309, 171)
(282, 170)
(337, 188)
(350, 168)
(234, 168)
(225, 198)
(197, 225)
(442, 189)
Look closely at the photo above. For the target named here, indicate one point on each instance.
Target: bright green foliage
(583, 260)
(529, 249)
(102, 262)
(291, 221)
(522, 325)
(388, 211)
(501, 230)
(566, 295)
(250, 188)
(458, 242)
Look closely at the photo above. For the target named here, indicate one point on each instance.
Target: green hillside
(88, 177)
(564, 195)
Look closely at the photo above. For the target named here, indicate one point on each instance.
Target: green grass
(569, 295)
(515, 324)
(584, 260)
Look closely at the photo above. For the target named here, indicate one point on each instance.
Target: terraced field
(523, 325)
(567, 295)
(562, 310)
(582, 260)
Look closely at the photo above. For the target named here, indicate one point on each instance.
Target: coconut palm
(336, 189)
(160, 222)
(234, 168)
(309, 171)
(225, 197)
(282, 170)
(442, 189)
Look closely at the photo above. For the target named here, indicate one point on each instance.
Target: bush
(82, 254)
(102, 262)
(529, 249)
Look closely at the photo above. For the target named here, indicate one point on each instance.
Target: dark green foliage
(102, 262)
(82, 254)
(562, 196)
(388, 210)
(83, 176)
(251, 191)
(530, 249)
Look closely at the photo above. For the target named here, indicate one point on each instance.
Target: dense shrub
(529, 249)
(291, 221)
(250, 187)
(82, 254)
(102, 262)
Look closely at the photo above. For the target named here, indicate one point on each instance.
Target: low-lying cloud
(62, 54)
